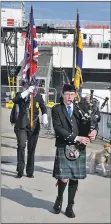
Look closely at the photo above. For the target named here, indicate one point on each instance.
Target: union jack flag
(29, 74)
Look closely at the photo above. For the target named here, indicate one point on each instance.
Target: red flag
(31, 53)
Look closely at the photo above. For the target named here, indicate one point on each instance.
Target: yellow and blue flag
(78, 81)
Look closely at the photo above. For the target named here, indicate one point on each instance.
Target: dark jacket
(95, 111)
(23, 120)
(66, 128)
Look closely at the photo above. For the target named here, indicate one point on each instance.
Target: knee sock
(61, 188)
(72, 188)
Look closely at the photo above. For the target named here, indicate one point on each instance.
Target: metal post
(16, 79)
(16, 48)
(74, 55)
(61, 79)
(110, 111)
(103, 35)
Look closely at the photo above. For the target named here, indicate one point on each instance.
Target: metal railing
(105, 126)
(68, 23)
(104, 132)
(49, 74)
(6, 96)
(67, 43)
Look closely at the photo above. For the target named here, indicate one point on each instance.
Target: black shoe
(58, 205)
(19, 175)
(69, 211)
(30, 175)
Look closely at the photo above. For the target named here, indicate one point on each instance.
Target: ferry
(56, 51)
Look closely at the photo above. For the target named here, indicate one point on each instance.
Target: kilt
(67, 169)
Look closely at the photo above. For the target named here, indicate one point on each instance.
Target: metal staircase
(45, 67)
(10, 47)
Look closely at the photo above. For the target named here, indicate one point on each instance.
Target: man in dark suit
(22, 129)
(67, 123)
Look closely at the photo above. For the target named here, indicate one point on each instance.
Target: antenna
(23, 12)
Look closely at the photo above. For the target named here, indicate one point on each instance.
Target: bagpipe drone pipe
(89, 112)
(90, 116)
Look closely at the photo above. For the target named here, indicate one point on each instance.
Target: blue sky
(94, 11)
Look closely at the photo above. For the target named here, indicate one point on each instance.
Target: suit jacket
(23, 120)
(66, 128)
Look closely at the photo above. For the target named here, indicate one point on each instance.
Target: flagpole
(33, 62)
(31, 114)
(31, 71)
(74, 55)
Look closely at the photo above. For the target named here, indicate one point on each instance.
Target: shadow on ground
(8, 146)
(26, 199)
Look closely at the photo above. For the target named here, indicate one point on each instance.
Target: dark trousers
(23, 136)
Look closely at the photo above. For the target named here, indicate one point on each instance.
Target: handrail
(49, 74)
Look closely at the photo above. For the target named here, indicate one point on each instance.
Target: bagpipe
(91, 116)
(89, 122)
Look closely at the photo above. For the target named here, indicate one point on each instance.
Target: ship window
(109, 56)
(99, 56)
(84, 36)
(105, 56)
(39, 35)
(64, 35)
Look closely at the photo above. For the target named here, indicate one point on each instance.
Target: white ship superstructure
(96, 40)
(96, 46)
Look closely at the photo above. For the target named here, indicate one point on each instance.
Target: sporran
(71, 152)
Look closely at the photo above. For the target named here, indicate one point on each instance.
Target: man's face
(68, 97)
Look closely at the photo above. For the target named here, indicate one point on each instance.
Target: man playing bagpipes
(70, 158)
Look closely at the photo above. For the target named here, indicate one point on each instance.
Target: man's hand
(83, 140)
(31, 89)
(25, 93)
(45, 119)
(92, 135)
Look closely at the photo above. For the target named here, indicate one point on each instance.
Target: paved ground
(31, 200)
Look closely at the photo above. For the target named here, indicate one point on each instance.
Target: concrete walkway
(31, 200)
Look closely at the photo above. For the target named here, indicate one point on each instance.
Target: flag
(78, 81)
(29, 74)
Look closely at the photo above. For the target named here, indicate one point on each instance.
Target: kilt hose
(64, 168)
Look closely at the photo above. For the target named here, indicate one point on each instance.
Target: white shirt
(71, 105)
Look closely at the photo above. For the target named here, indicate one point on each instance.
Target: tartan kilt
(64, 168)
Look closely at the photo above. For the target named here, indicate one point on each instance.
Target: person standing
(67, 123)
(22, 129)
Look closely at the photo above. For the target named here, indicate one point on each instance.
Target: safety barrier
(6, 95)
(6, 102)
(105, 126)
(103, 133)
(67, 43)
